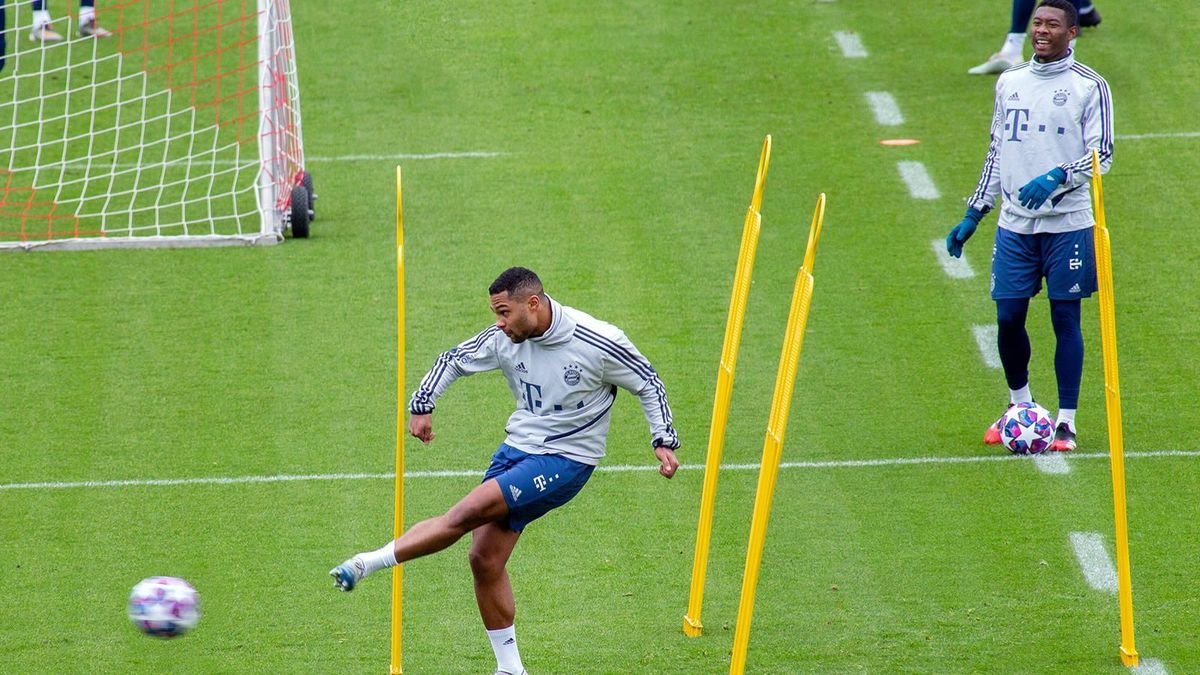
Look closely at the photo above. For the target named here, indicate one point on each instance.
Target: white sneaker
(996, 63)
(89, 28)
(44, 33)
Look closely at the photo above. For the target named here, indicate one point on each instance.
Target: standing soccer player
(44, 32)
(1010, 53)
(1049, 114)
(563, 368)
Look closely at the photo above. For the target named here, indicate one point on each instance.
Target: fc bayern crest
(571, 375)
(1060, 97)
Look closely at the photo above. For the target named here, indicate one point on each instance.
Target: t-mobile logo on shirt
(531, 395)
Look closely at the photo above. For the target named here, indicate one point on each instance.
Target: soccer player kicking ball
(563, 368)
(1049, 114)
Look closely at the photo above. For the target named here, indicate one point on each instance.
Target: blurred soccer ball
(1026, 429)
(164, 607)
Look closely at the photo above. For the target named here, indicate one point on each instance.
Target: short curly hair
(518, 282)
(1067, 7)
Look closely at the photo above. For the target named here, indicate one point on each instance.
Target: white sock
(41, 17)
(504, 644)
(1066, 416)
(1087, 8)
(1021, 395)
(373, 561)
(1014, 45)
(87, 14)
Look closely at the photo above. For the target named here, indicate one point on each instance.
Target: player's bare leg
(491, 546)
(482, 505)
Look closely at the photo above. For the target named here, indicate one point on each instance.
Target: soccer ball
(1026, 429)
(164, 607)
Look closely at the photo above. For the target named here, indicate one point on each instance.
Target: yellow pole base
(395, 671)
(691, 628)
(1128, 659)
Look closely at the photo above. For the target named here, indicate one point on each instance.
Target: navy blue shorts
(1067, 260)
(533, 485)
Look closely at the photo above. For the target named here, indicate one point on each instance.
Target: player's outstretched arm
(668, 464)
(476, 355)
(421, 426)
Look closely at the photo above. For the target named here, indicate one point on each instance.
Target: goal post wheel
(306, 180)
(299, 216)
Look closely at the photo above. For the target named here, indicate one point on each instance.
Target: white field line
(200, 164)
(985, 337)
(617, 468)
(852, 46)
(471, 154)
(1094, 561)
(1052, 463)
(955, 268)
(1149, 667)
(883, 104)
(920, 185)
(1101, 575)
(1138, 137)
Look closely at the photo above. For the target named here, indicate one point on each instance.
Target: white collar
(1052, 68)
(562, 327)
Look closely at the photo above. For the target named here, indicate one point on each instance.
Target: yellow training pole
(1112, 399)
(781, 403)
(398, 527)
(729, 351)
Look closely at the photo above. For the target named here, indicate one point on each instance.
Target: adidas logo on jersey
(1014, 97)
(521, 367)
(516, 494)
(1075, 289)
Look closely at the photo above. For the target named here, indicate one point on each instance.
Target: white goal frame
(271, 169)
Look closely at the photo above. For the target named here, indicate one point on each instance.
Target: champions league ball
(164, 607)
(1026, 429)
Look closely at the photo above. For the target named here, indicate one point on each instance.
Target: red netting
(207, 47)
(36, 219)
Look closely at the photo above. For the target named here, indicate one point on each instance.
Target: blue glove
(961, 232)
(1035, 192)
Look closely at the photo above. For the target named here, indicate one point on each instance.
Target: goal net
(180, 129)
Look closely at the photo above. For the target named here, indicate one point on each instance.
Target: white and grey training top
(564, 383)
(1046, 115)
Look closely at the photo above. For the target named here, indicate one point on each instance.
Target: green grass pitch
(628, 134)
